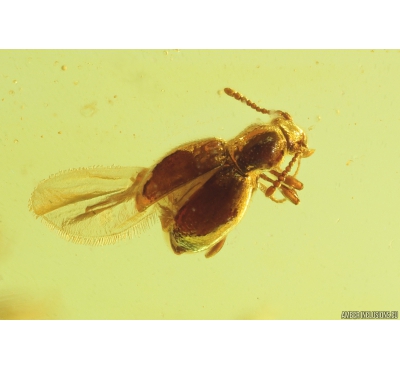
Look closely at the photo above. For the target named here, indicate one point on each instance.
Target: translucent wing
(92, 205)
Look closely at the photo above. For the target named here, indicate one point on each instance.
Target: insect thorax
(259, 147)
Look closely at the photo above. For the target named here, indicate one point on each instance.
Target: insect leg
(264, 189)
(215, 248)
(284, 178)
(289, 180)
(289, 194)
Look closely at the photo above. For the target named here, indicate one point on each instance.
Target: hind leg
(215, 248)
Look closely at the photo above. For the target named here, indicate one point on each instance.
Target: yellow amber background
(338, 250)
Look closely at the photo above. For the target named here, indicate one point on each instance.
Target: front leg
(288, 190)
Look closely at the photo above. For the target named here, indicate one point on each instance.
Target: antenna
(243, 99)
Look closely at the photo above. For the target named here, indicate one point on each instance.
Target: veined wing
(92, 205)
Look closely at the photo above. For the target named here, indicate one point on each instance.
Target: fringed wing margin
(92, 205)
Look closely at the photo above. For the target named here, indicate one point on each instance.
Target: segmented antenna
(243, 99)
